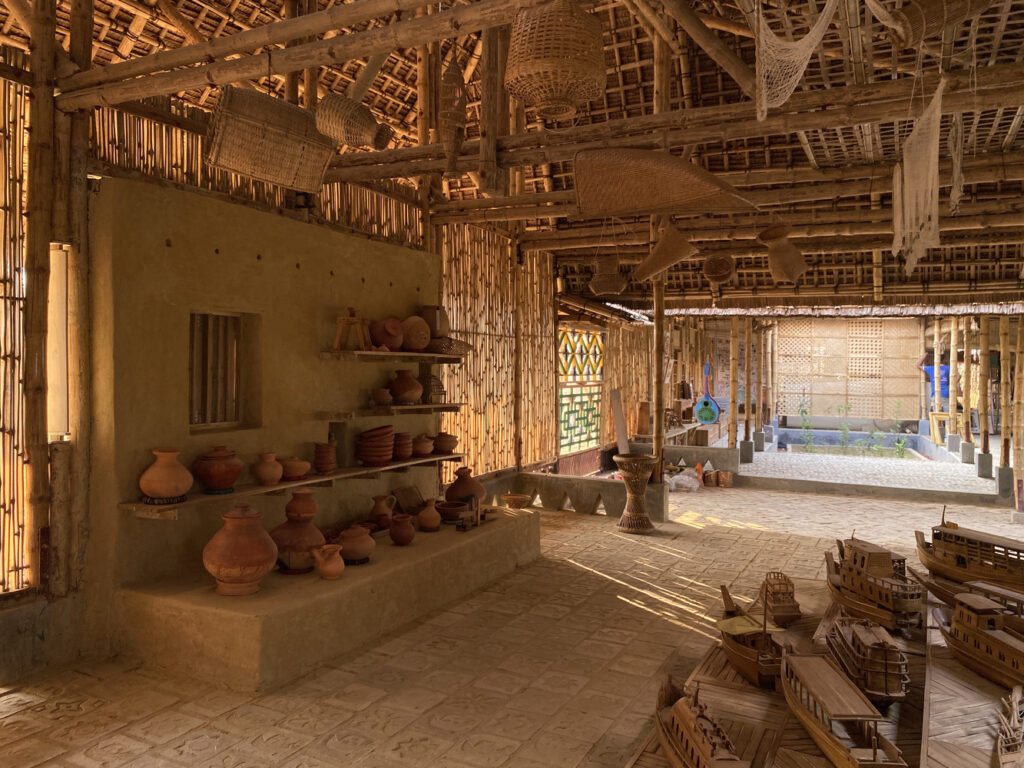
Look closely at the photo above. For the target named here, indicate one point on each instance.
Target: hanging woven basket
(350, 123)
(672, 248)
(607, 279)
(556, 59)
(451, 115)
(719, 269)
(268, 139)
(785, 262)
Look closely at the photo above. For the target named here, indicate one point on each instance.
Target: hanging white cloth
(781, 63)
(915, 187)
(955, 145)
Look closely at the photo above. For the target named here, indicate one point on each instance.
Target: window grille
(580, 373)
(214, 370)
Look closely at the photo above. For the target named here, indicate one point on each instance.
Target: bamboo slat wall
(627, 365)
(480, 292)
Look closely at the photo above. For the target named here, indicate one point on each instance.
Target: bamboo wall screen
(870, 364)
(480, 290)
(15, 534)
(627, 354)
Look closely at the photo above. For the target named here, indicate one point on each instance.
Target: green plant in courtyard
(875, 440)
(844, 426)
(806, 435)
(901, 446)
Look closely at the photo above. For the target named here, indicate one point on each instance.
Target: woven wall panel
(828, 328)
(627, 354)
(828, 387)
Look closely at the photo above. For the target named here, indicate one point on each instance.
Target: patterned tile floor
(554, 666)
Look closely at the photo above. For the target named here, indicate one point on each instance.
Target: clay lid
(219, 452)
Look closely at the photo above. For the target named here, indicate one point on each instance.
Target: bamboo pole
(968, 433)
(290, 10)
(1005, 406)
(734, 333)
(762, 371)
(659, 373)
(936, 363)
(954, 373)
(311, 74)
(984, 381)
(682, 11)
(1018, 422)
(748, 335)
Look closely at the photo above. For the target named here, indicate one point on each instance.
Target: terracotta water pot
(401, 531)
(328, 561)
(356, 545)
(405, 388)
(415, 334)
(268, 470)
(437, 320)
(387, 333)
(218, 470)
(429, 518)
(382, 396)
(297, 536)
(465, 487)
(165, 478)
(240, 553)
(295, 468)
(383, 506)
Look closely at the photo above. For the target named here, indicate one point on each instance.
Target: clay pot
(356, 545)
(429, 518)
(325, 456)
(382, 396)
(445, 443)
(380, 514)
(422, 446)
(295, 468)
(166, 478)
(437, 320)
(218, 470)
(452, 511)
(387, 333)
(297, 536)
(415, 334)
(465, 487)
(240, 553)
(401, 531)
(405, 388)
(268, 470)
(515, 500)
(328, 561)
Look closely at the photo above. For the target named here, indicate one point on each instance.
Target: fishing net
(915, 187)
(781, 63)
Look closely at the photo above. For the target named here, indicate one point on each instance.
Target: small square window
(223, 375)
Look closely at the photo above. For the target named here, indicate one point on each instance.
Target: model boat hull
(984, 665)
(969, 571)
(862, 609)
(756, 668)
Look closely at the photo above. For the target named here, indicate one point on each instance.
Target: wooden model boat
(1010, 745)
(779, 599)
(870, 658)
(689, 736)
(946, 591)
(962, 554)
(979, 640)
(870, 582)
(840, 719)
(749, 645)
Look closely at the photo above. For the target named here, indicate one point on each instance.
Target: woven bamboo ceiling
(830, 178)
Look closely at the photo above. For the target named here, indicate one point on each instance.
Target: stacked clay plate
(375, 447)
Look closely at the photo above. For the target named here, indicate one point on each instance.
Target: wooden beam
(713, 46)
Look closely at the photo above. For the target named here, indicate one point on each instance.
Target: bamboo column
(517, 120)
(983, 381)
(762, 371)
(1005, 418)
(775, 373)
(311, 74)
(1018, 422)
(748, 337)
(954, 373)
(734, 334)
(937, 361)
(659, 374)
(968, 434)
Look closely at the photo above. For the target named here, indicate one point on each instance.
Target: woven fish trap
(672, 248)
(267, 139)
(350, 123)
(556, 59)
(719, 269)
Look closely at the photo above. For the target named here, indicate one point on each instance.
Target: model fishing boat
(689, 736)
(779, 599)
(749, 644)
(946, 591)
(840, 719)
(870, 658)
(979, 640)
(870, 582)
(1010, 745)
(963, 555)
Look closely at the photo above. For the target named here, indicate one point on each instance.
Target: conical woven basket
(785, 261)
(719, 269)
(672, 248)
(351, 123)
(556, 59)
(622, 182)
(268, 139)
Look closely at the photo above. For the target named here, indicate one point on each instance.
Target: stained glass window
(580, 370)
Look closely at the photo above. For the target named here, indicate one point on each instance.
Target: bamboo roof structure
(821, 163)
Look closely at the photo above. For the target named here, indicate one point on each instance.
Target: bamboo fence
(627, 360)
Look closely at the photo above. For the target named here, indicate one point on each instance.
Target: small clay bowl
(294, 468)
(451, 511)
(515, 500)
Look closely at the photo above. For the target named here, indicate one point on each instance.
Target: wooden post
(494, 110)
(517, 123)
(775, 373)
(1005, 411)
(659, 373)
(748, 337)
(311, 74)
(936, 362)
(762, 379)
(734, 334)
(291, 79)
(954, 373)
(968, 433)
(1018, 422)
(984, 383)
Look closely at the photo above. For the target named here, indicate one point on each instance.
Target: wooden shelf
(392, 357)
(170, 511)
(397, 410)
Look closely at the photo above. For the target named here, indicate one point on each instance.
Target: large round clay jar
(405, 388)
(218, 470)
(297, 536)
(401, 531)
(429, 519)
(415, 334)
(240, 553)
(387, 333)
(465, 486)
(356, 545)
(437, 320)
(165, 478)
(268, 470)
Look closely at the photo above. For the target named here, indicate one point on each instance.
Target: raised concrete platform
(922, 495)
(585, 494)
(295, 623)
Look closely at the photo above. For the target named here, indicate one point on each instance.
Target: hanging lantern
(556, 59)
(607, 279)
(451, 116)
(785, 262)
(719, 269)
(350, 123)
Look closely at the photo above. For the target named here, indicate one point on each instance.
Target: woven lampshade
(785, 262)
(350, 123)
(451, 116)
(268, 139)
(556, 59)
(623, 182)
(607, 278)
(719, 269)
(672, 247)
